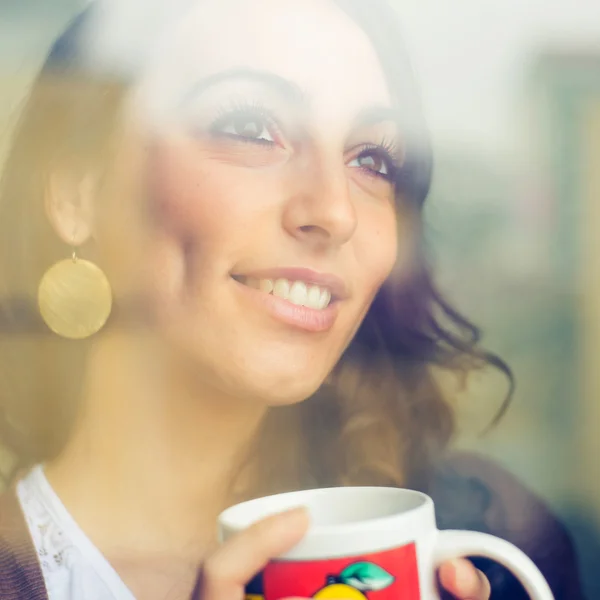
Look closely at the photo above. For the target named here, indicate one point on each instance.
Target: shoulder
(473, 492)
(471, 482)
(20, 573)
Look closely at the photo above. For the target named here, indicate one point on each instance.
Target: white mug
(369, 543)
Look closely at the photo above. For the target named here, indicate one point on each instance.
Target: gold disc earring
(74, 298)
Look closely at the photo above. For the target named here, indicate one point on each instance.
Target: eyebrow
(371, 115)
(283, 86)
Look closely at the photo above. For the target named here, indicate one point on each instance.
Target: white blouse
(73, 568)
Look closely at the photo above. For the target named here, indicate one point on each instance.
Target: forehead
(313, 43)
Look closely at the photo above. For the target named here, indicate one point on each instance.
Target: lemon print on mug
(339, 591)
(354, 581)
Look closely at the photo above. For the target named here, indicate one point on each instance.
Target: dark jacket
(469, 493)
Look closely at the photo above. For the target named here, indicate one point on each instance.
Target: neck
(152, 457)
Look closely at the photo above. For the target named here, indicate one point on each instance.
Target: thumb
(227, 571)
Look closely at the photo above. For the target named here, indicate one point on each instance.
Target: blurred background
(512, 94)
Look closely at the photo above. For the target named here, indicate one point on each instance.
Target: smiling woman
(250, 187)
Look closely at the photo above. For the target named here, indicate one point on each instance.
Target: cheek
(198, 211)
(186, 197)
(205, 214)
(198, 195)
(381, 246)
(182, 223)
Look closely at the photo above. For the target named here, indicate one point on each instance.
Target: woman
(249, 177)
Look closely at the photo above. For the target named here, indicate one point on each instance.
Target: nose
(320, 210)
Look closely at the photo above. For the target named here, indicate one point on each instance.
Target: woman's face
(270, 144)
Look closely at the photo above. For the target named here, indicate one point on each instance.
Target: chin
(282, 389)
(290, 398)
(275, 374)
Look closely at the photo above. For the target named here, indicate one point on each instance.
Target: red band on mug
(388, 575)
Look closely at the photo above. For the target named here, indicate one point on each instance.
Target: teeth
(314, 297)
(325, 299)
(266, 285)
(296, 292)
(282, 288)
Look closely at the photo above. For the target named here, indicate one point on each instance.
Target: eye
(371, 162)
(375, 161)
(245, 126)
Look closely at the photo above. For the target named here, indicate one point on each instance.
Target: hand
(227, 571)
(464, 581)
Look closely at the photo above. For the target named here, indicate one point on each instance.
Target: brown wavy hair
(381, 418)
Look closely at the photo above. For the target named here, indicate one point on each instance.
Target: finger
(464, 581)
(238, 560)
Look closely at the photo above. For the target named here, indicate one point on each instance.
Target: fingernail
(297, 515)
(298, 512)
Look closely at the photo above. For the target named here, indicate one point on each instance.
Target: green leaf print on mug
(354, 581)
(366, 576)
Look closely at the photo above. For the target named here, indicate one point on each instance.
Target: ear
(69, 204)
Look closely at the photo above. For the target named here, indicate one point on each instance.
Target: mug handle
(453, 544)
